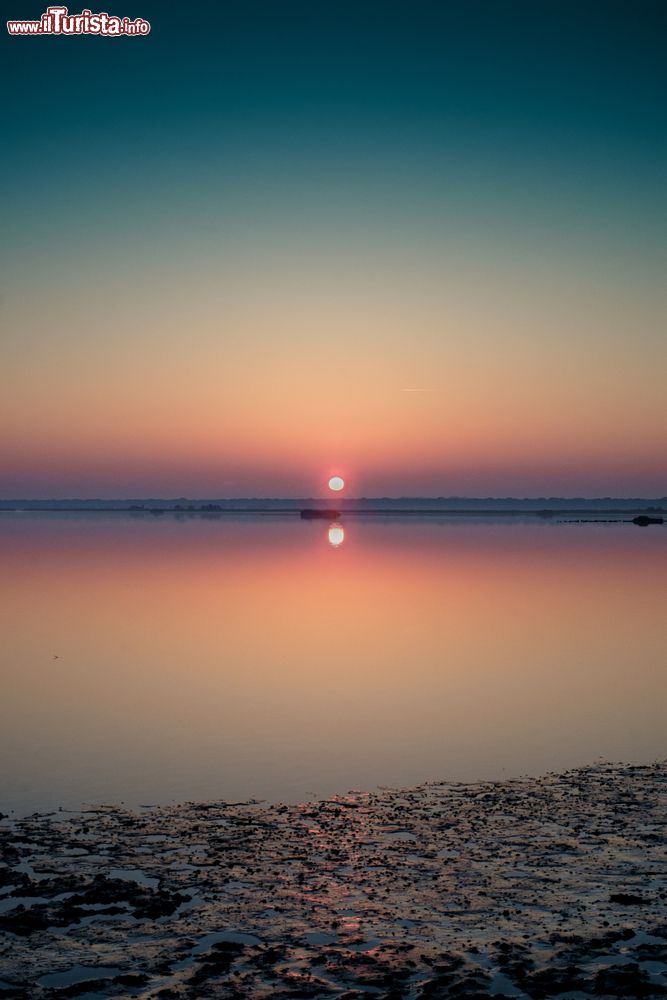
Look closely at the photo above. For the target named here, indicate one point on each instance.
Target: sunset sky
(417, 244)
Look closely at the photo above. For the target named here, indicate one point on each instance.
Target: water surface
(150, 659)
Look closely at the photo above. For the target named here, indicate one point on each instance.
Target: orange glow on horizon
(224, 416)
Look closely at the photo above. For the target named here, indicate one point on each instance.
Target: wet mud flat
(538, 887)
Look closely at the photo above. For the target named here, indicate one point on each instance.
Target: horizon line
(339, 499)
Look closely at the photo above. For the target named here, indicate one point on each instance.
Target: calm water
(265, 657)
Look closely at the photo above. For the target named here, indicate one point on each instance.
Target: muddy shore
(538, 887)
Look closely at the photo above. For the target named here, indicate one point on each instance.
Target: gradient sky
(420, 244)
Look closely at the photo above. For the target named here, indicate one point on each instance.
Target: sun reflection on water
(336, 535)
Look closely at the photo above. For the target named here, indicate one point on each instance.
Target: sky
(417, 244)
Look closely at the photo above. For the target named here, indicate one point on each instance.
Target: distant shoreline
(611, 514)
(452, 504)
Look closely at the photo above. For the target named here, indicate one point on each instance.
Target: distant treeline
(543, 505)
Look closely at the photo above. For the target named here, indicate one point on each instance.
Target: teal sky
(228, 245)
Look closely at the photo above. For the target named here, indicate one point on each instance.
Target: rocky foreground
(545, 887)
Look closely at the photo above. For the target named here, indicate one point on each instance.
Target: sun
(336, 484)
